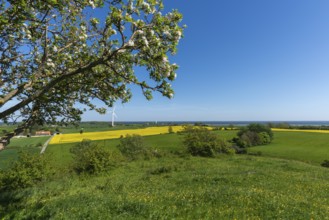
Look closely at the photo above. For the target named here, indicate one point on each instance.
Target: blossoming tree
(56, 53)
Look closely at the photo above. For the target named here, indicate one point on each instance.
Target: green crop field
(303, 146)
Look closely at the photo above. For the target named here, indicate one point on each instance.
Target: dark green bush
(90, 158)
(202, 142)
(325, 163)
(133, 147)
(253, 135)
(27, 171)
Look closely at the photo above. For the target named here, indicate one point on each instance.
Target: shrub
(133, 147)
(264, 138)
(27, 171)
(253, 135)
(201, 142)
(90, 158)
(325, 163)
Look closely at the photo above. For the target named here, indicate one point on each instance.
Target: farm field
(77, 137)
(311, 147)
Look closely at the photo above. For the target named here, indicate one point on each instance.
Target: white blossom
(131, 6)
(167, 33)
(130, 43)
(55, 49)
(140, 32)
(50, 63)
(145, 41)
(165, 59)
(179, 35)
(92, 4)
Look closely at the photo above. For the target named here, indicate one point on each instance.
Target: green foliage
(133, 147)
(27, 171)
(170, 130)
(254, 135)
(90, 158)
(202, 142)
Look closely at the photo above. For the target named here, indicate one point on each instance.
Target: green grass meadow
(303, 146)
(277, 185)
(228, 187)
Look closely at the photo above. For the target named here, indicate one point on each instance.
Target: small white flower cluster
(178, 35)
(147, 8)
(145, 41)
(139, 32)
(55, 48)
(25, 31)
(92, 4)
(131, 6)
(130, 43)
(165, 59)
(50, 63)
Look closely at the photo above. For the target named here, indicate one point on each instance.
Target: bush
(253, 135)
(264, 138)
(133, 147)
(90, 158)
(325, 163)
(201, 142)
(27, 171)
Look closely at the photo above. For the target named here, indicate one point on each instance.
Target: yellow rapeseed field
(299, 130)
(77, 137)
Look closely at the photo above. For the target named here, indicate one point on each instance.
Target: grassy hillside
(303, 146)
(178, 186)
(228, 187)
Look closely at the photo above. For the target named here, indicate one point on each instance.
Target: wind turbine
(113, 115)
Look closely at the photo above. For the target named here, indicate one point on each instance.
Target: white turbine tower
(113, 116)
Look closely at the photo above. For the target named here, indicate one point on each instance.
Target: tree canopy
(57, 53)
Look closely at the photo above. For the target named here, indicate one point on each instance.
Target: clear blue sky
(244, 60)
